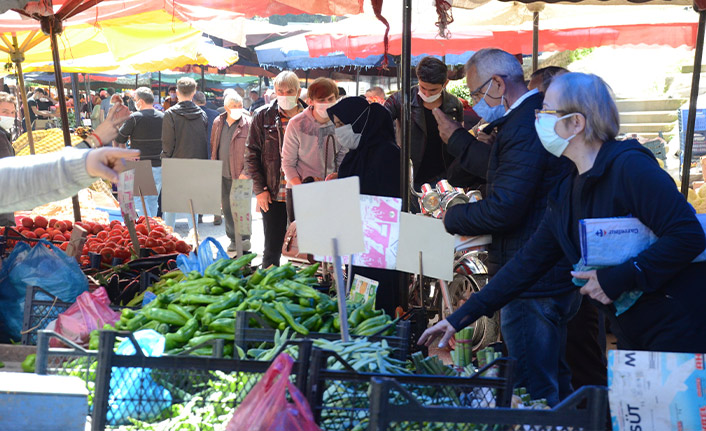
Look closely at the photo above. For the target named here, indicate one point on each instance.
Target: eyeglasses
(477, 93)
(548, 111)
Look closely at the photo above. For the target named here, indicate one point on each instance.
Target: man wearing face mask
(430, 158)
(228, 137)
(7, 121)
(519, 173)
(143, 130)
(263, 161)
(311, 149)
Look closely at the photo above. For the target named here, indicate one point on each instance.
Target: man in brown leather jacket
(263, 162)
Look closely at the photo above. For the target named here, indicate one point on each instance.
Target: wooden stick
(144, 208)
(78, 238)
(193, 217)
(130, 224)
(340, 290)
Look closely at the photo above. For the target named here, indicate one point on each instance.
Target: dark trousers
(226, 184)
(274, 222)
(585, 347)
(290, 206)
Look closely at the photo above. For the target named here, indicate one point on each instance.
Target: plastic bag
(48, 268)
(90, 311)
(133, 392)
(201, 260)
(266, 407)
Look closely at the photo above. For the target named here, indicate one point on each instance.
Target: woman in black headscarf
(373, 156)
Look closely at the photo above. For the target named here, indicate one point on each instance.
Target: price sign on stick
(144, 180)
(428, 236)
(329, 223)
(126, 181)
(191, 179)
(240, 204)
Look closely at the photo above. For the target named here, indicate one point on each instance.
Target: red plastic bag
(90, 311)
(266, 407)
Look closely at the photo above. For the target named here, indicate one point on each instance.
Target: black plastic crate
(72, 360)
(248, 337)
(182, 379)
(41, 307)
(340, 399)
(394, 408)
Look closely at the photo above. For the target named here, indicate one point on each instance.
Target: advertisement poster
(656, 391)
(381, 232)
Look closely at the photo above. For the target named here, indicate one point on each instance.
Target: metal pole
(62, 106)
(159, 87)
(137, 83)
(406, 92)
(18, 57)
(357, 81)
(535, 41)
(691, 119)
(89, 99)
(203, 80)
(74, 89)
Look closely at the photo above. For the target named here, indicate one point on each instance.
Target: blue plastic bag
(133, 392)
(201, 260)
(48, 268)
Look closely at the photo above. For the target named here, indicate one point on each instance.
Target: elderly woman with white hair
(579, 120)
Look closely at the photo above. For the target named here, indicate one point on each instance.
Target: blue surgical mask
(487, 112)
(545, 124)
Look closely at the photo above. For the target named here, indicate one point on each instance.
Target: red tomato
(142, 229)
(29, 234)
(160, 228)
(96, 229)
(170, 246)
(151, 243)
(69, 224)
(156, 234)
(40, 221)
(102, 235)
(52, 222)
(182, 247)
(45, 236)
(60, 225)
(27, 222)
(122, 253)
(112, 244)
(67, 235)
(58, 237)
(107, 254)
(39, 231)
(160, 250)
(64, 245)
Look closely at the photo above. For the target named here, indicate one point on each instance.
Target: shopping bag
(199, 261)
(266, 407)
(90, 311)
(133, 392)
(43, 265)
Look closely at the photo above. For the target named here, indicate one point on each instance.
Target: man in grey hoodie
(184, 133)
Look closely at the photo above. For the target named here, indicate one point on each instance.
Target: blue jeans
(170, 218)
(534, 331)
(151, 202)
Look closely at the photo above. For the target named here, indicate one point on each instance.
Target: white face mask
(347, 137)
(7, 122)
(320, 108)
(287, 102)
(236, 114)
(552, 142)
(430, 99)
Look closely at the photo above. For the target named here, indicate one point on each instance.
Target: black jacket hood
(188, 110)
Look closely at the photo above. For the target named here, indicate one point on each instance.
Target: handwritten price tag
(126, 182)
(240, 203)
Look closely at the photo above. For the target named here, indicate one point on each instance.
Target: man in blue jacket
(519, 173)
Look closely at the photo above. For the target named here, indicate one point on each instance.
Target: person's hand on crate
(442, 329)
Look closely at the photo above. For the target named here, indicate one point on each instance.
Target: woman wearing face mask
(311, 150)
(373, 156)
(611, 178)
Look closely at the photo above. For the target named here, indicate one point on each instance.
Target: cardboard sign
(191, 179)
(126, 181)
(655, 391)
(240, 205)
(144, 180)
(428, 235)
(362, 289)
(326, 210)
(381, 230)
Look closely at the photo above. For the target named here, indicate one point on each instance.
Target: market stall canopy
(194, 50)
(472, 4)
(509, 26)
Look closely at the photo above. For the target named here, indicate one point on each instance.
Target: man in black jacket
(520, 174)
(184, 133)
